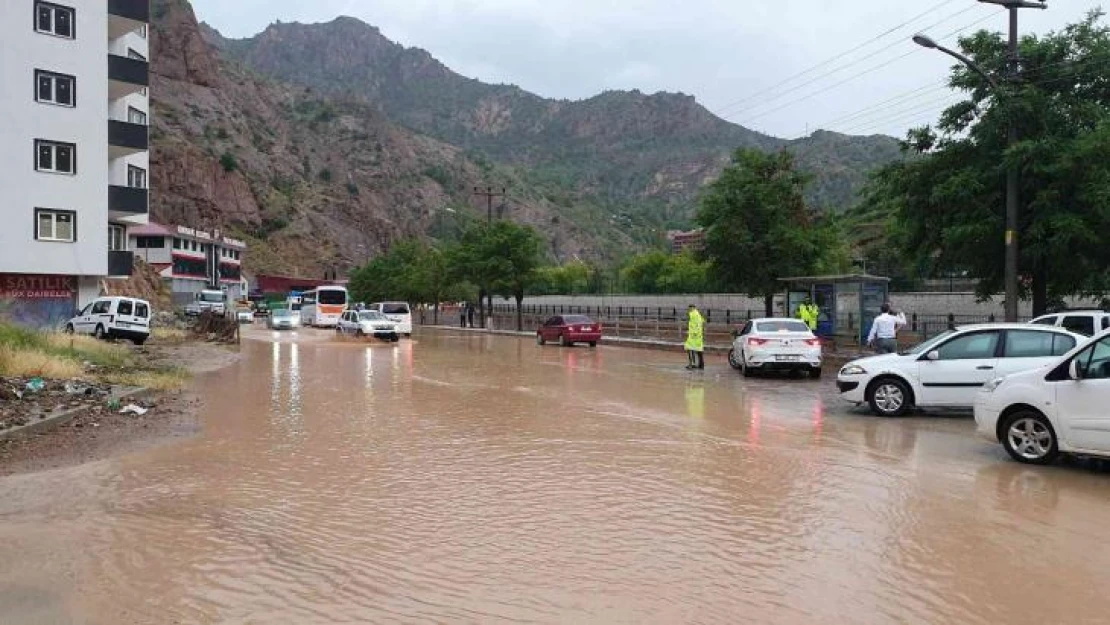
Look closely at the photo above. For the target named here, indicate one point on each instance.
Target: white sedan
(948, 370)
(362, 323)
(1059, 408)
(776, 345)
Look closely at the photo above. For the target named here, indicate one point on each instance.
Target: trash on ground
(134, 409)
(35, 385)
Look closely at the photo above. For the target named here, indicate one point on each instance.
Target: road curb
(61, 418)
(834, 360)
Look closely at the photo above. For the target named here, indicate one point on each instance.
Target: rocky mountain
(321, 144)
(312, 182)
(623, 147)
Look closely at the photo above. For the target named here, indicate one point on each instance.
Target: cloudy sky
(847, 66)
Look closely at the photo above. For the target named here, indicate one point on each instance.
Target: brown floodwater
(469, 478)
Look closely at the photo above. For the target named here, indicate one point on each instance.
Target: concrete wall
(919, 303)
(22, 51)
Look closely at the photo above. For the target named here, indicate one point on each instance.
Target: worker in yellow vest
(809, 313)
(695, 338)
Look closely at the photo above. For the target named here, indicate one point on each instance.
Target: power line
(838, 56)
(841, 68)
(894, 116)
(894, 101)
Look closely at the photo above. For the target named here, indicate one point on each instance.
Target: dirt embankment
(99, 431)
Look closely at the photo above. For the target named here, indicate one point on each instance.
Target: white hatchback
(776, 345)
(948, 370)
(1059, 408)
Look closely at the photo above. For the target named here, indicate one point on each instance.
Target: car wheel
(359, 333)
(593, 343)
(732, 361)
(69, 328)
(539, 339)
(563, 341)
(1029, 438)
(394, 338)
(139, 342)
(889, 397)
(100, 334)
(815, 373)
(745, 370)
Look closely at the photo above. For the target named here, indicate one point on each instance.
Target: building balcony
(125, 138)
(125, 16)
(121, 263)
(126, 76)
(128, 200)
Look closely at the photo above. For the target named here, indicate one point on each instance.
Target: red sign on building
(28, 286)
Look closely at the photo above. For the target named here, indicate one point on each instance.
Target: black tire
(359, 333)
(732, 362)
(815, 373)
(563, 342)
(889, 397)
(593, 343)
(69, 328)
(1029, 438)
(539, 339)
(139, 342)
(393, 338)
(99, 333)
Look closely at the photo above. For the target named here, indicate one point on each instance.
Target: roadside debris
(27, 400)
(134, 409)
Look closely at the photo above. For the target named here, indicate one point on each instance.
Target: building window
(150, 243)
(135, 116)
(136, 177)
(55, 225)
(56, 157)
(55, 19)
(190, 267)
(132, 54)
(176, 243)
(54, 88)
(116, 239)
(193, 245)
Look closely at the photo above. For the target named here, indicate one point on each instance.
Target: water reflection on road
(477, 479)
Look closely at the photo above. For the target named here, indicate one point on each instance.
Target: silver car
(283, 319)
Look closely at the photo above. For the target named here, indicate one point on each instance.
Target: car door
(1023, 350)
(964, 363)
(346, 323)
(81, 319)
(551, 328)
(98, 315)
(1081, 404)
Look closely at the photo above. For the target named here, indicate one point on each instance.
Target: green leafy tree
(503, 258)
(641, 273)
(949, 202)
(758, 228)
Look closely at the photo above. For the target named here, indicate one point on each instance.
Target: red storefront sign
(30, 286)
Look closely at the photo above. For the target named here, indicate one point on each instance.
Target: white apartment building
(73, 148)
(190, 259)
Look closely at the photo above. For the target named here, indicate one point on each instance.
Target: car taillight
(813, 342)
(755, 341)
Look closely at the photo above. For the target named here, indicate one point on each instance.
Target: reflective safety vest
(695, 332)
(809, 313)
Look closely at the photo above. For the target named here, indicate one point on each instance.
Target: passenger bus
(321, 307)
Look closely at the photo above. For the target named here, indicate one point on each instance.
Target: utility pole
(489, 194)
(1013, 186)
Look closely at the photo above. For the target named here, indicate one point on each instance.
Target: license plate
(787, 358)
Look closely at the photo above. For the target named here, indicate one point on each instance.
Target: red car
(568, 330)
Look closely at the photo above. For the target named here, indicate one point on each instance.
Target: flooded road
(469, 478)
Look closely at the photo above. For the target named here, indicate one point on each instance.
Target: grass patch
(168, 336)
(28, 362)
(170, 380)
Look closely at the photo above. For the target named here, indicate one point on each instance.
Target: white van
(113, 317)
(399, 312)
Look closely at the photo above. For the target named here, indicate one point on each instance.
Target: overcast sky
(730, 54)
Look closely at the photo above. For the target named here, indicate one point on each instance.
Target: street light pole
(1013, 187)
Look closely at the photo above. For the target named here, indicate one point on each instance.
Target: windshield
(371, 315)
(332, 298)
(576, 319)
(781, 326)
(205, 296)
(281, 312)
(921, 348)
(395, 309)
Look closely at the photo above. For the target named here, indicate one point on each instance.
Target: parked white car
(1059, 408)
(948, 370)
(113, 317)
(399, 312)
(368, 323)
(1085, 322)
(776, 345)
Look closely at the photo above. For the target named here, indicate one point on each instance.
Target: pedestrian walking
(462, 315)
(470, 314)
(884, 330)
(809, 313)
(695, 338)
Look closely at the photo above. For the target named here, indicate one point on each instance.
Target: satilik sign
(23, 286)
(41, 301)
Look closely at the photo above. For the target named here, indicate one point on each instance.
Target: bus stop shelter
(848, 302)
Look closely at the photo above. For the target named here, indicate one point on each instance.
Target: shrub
(325, 174)
(229, 162)
(352, 188)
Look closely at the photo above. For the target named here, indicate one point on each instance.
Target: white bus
(321, 307)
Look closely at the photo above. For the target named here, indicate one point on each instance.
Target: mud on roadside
(99, 431)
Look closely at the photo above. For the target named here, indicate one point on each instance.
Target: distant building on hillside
(191, 259)
(682, 241)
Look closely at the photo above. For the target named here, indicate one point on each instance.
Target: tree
(757, 226)
(948, 201)
(503, 258)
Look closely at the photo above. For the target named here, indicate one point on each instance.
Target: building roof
(153, 229)
(149, 230)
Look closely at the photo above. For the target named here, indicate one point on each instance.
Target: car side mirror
(933, 355)
(1074, 372)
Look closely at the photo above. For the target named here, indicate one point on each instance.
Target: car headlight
(991, 386)
(853, 370)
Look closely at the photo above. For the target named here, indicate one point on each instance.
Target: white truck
(208, 300)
